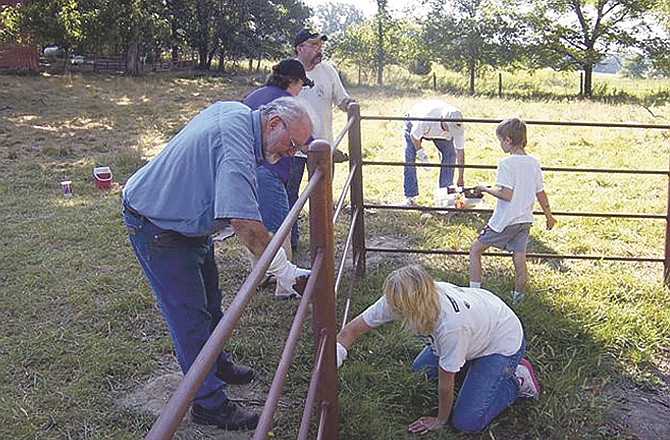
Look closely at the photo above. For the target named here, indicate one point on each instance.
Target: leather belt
(132, 212)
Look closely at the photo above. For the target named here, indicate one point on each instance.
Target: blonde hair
(411, 292)
(514, 129)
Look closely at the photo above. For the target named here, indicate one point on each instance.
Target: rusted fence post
(323, 303)
(356, 195)
(666, 263)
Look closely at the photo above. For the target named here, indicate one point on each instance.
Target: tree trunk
(588, 80)
(222, 61)
(380, 51)
(175, 37)
(202, 56)
(133, 66)
(471, 71)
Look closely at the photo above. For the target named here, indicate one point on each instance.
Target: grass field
(81, 329)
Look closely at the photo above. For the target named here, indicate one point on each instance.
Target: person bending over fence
(465, 330)
(203, 180)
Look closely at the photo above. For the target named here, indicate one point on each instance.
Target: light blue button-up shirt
(207, 171)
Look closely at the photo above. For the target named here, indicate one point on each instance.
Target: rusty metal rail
(355, 145)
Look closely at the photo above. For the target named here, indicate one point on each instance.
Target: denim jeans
(272, 198)
(447, 157)
(490, 386)
(293, 191)
(184, 278)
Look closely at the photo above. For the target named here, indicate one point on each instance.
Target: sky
(369, 7)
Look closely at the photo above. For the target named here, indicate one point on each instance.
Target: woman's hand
(426, 424)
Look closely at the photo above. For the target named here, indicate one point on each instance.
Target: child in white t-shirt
(518, 184)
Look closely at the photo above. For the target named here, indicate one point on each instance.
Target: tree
(470, 35)
(333, 19)
(577, 34)
(657, 46)
(358, 46)
(382, 16)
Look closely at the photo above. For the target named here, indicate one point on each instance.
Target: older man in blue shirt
(203, 180)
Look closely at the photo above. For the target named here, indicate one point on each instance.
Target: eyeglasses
(294, 145)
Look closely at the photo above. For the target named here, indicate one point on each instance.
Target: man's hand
(286, 272)
(425, 425)
(550, 222)
(344, 105)
(422, 157)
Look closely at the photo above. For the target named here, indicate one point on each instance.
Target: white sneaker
(410, 201)
(517, 297)
(528, 386)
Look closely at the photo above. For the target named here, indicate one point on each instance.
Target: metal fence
(664, 173)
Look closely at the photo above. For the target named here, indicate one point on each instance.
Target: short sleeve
(236, 191)
(339, 93)
(379, 313)
(539, 183)
(504, 175)
(451, 350)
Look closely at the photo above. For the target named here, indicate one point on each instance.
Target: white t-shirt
(432, 108)
(327, 92)
(473, 323)
(522, 174)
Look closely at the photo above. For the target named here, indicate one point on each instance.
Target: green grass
(81, 328)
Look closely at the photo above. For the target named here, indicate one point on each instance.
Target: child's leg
(521, 272)
(476, 251)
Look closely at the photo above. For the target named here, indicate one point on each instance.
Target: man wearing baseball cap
(319, 100)
(448, 137)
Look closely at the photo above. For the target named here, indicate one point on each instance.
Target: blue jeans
(490, 386)
(184, 278)
(447, 157)
(293, 191)
(272, 198)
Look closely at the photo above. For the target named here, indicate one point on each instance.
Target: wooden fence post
(666, 263)
(356, 194)
(323, 302)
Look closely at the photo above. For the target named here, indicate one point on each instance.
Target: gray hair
(288, 108)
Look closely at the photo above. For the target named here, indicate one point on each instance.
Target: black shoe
(234, 374)
(228, 416)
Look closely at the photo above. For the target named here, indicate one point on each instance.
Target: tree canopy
(468, 36)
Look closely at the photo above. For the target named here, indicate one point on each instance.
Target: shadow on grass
(583, 342)
(380, 396)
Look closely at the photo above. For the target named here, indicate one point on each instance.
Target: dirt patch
(151, 396)
(374, 259)
(639, 413)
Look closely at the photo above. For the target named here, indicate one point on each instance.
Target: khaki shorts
(513, 238)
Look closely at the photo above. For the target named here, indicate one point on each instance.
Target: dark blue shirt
(261, 96)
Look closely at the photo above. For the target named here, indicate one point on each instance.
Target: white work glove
(341, 354)
(422, 157)
(286, 272)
